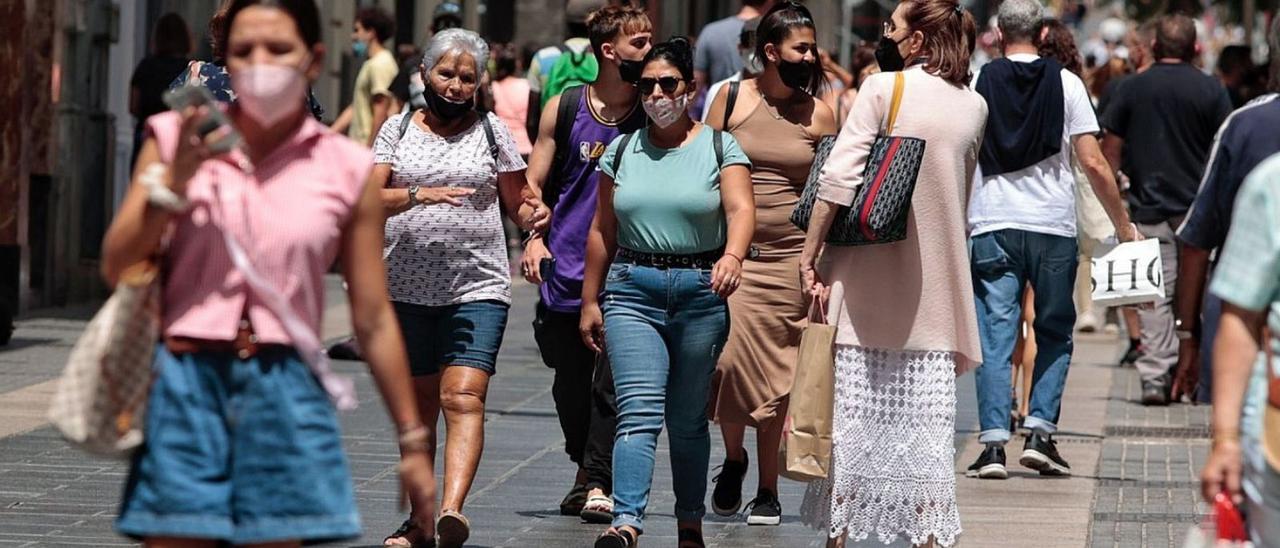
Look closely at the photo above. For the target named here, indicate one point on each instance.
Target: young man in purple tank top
(562, 170)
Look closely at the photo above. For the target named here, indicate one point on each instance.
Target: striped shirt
(288, 213)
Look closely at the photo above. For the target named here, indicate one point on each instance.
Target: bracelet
(414, 439)
(727, 254)
(1228, 435)
(159, 194)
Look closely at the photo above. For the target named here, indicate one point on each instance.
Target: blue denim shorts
(243, 451)
(466, 334)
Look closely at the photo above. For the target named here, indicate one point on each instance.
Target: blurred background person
(372, 100)
(863, 66)
(1235, 71)
(511, 95)
(213, 76)
(716, 56)
(1185, 107)
(170, 53)
(751, 63)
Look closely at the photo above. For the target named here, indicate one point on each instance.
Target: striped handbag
(882, 204)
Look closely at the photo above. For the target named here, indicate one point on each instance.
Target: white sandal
(598, 509)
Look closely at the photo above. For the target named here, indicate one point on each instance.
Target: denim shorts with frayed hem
(242, 451)
(466, 334)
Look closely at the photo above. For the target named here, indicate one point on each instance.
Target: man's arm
(540, 164)
(381, 111)
(344, 121)
(1102, 179)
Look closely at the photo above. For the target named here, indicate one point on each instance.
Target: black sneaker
(1041, 454)
(990, 464)
(766, 509)
(574, 501)
(727, 498)
(1154, 394)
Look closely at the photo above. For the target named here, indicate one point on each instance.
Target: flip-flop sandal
(598, 509)
(616, 538)
(452, 529)
(408, 528)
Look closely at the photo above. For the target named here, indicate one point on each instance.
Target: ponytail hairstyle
(679, 53)
(950, 35)
(777, 25)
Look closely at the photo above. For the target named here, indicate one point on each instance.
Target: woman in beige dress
(778, 122)
(907, 321)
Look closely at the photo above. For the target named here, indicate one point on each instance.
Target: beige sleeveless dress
(768, 311)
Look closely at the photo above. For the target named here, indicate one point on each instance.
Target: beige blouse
(915, 294)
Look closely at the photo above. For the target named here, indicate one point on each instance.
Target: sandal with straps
(406, 530)
(452, 528)
(599, 509)
(616, 538)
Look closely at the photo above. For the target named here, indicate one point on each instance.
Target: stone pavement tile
(1148, 492)
(998, 513)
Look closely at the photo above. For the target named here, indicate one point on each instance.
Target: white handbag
(101, 398)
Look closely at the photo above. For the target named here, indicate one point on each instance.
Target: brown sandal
(452, 529)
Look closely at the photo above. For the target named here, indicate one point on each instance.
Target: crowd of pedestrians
(654, 185)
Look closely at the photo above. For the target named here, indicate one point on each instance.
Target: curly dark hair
(1055, 41)
(378, 21)
(676, 50)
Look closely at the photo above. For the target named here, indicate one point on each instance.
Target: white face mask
(664, 111)
(269, 93)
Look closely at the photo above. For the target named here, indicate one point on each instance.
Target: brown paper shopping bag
(806, 436)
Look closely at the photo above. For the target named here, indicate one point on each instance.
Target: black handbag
(882, 204)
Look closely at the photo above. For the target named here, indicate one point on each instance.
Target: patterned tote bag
(882, 203)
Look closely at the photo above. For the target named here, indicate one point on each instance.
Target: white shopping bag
(1128, 273)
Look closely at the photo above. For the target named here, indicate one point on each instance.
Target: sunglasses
(667, 83)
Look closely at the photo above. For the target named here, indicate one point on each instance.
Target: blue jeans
(1004, 262)
(664, 330)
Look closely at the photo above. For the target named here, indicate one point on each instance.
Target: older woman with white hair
(447, 173)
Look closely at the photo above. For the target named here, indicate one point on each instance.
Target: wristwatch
(413, 195)
(1183, 331)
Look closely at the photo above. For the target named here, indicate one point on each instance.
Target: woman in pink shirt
(511, 95)
(242, 443)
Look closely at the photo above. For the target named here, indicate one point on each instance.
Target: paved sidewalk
(1132, 488)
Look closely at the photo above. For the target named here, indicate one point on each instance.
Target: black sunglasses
(667, 83)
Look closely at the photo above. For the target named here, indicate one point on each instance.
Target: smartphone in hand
(217, 124)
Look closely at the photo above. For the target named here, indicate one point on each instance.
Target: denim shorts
(243, 451)
(466, 334)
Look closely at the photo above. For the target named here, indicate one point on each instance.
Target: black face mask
(630, 70)
(888, 56)
(444, 109)
(796, 75)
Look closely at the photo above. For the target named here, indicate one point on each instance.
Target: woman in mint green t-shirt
(675, 217)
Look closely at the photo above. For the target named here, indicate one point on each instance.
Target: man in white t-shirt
(1022, 224)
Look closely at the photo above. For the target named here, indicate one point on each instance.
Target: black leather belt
(701, 261)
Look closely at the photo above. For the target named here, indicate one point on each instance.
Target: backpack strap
(489, 136)
(733, 99)
(570, 99)
(622, 150)
(717, 142)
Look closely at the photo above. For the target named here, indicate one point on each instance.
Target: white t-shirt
(439, 255)
(1040, 198)
(714, 89)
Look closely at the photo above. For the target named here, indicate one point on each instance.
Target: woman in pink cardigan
(907, 322)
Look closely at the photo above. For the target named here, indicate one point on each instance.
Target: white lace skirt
(893, 454)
